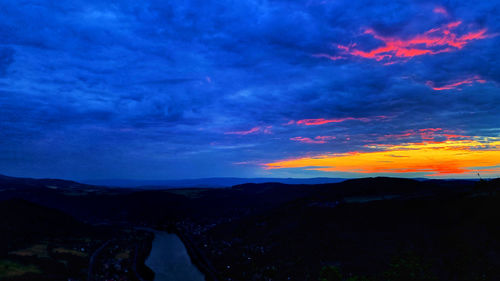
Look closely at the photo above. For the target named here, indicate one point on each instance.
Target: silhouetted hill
(449, 232)
(385, 187)
(22, 221)
(29, 183)
(44, 244)
(207, 182)
(21, 214)
(96, 203)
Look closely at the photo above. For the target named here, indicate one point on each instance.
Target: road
(93, 258)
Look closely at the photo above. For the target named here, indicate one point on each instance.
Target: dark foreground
(366, 229)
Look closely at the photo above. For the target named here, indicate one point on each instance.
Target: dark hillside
(274, 231)
(456, 236)
(40, 243)
(24, 221)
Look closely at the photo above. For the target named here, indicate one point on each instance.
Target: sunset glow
(431, 158)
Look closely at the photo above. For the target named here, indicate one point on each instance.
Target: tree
(409, 267)
(330, 273)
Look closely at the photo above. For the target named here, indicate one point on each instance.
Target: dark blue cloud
(6, 58)
(147, 89)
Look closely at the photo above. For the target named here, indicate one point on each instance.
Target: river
(170, 261)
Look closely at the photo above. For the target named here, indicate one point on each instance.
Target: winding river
(170, 261)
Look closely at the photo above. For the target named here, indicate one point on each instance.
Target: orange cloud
(454, 85)
(434, 41)
(450, 157)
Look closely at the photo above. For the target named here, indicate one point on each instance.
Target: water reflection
(170, 261)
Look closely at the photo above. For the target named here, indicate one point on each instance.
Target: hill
(446, 229)
(206, 182)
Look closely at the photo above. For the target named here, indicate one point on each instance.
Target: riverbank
(123, 256)
(197, 257)
(142, 250)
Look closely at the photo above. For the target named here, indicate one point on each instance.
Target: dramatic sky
(249, 88)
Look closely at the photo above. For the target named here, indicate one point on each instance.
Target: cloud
(441, 10)
(148, 86)
(330, 57)
(307, 140)
(254, 130)
(424, 134)
(456, 84)
(434, 41)
(430, 158)
(322, 121)
(6, 59)
(325, 138)
(316, 140)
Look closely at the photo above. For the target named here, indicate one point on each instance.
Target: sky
(193, 89)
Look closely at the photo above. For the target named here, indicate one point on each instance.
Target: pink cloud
(438, 40)
(327, 56)
(321, 121)
(425, 134)
(267, 130)
(441, 10)
(456, 84)
(325, 138)
(316, 140)
(307, 140)
(254, 130)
